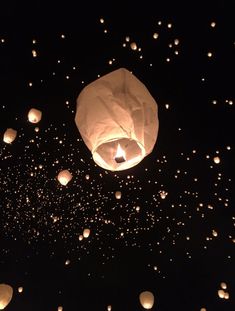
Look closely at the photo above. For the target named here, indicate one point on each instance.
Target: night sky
(172, 232)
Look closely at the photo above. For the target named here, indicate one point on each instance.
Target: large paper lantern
(9, 135)
(6, 292)
(117, 119)
(146, 300)
(34, 115)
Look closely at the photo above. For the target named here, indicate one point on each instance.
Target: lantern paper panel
(6, 292)
(117, 119)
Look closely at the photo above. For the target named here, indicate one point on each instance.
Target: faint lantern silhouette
(117, 119)
(86, 233)
(20, 289)
(80, 237)
(67, 262)
(146, 300)
(64, 177)
(109, 308)
(9, 135)
(6, 292)
(34, 115)
(118, 195)
(60, 308)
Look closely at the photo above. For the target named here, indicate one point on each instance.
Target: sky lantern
(60, 308)
(118, 195)
(117, 119)
(9, 135)
(221, 293)
(223, 285)
(216, 160)
(86, 233)
(6, 292)
(20, 289)
(64, 177)
(146, 300)
(34, 115)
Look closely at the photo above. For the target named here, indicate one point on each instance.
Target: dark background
(172, 234)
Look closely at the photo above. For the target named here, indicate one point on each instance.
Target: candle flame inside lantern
(120, 155)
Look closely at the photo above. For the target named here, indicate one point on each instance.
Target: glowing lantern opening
(120, 155)
(117, 113)
(6, 292)
(9, 135)
(146, 300)
(64, 177)
(34, 115)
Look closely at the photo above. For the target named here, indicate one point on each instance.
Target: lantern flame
(120, 155)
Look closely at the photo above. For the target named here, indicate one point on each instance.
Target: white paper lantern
(9, 135)
(6, 292)
(118, 195)
(221, 293)
(146, 300)
(60, 308)
(64, 177)
(20, 289)
(223, 285)
(34, 115)
(109, 308)
(117, 119)
(86, 233)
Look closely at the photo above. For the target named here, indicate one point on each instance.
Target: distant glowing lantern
(118, 195)
(60, 308)
(64, 177)
(80, 237)
(163, 194)
(221, 293)
(223, 285)
(6, 292)
(133, 46)
(203, 309)
(20, 289)
(215, 234)
(146, 300)
(109, 308)
(155, 35)
(117, 119)
(216, 160)
(9, 135)
(67, 262)
(34, 115)
(226, 295)
(86, 233)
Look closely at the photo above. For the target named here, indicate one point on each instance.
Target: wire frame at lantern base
(104, 154)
